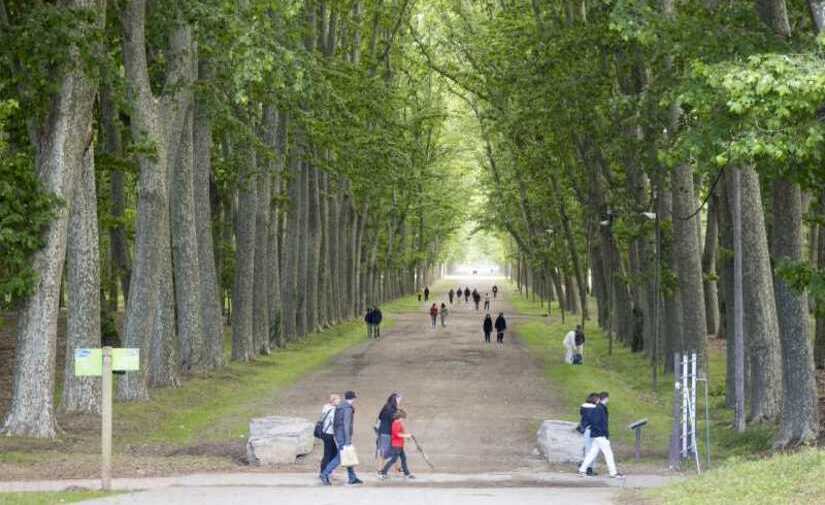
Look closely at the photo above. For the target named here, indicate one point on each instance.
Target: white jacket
(327, 419)
(570, 340)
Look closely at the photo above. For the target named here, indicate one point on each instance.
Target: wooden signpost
(101, 363)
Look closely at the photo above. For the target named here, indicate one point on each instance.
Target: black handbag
(319, 426)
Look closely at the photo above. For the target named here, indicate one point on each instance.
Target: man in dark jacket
(466, 295)
(451, 294)
(377, 317)
(600, 434)
(426, 294)
(476, 298)
(501, 325)
(585, 412)
(342, 425)
(368, 320)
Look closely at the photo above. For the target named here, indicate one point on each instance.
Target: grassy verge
(797, 479)
(627, 376)
(49, 498)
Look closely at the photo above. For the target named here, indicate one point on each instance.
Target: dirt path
(475, 407)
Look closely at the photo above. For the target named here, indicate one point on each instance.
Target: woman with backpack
(434, 314)
(487, 327)
(326, 430)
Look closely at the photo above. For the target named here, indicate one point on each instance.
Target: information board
(88, 362)
(125, 359)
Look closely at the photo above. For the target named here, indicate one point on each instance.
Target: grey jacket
(342, 424)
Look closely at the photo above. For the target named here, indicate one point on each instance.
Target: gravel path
(474, 407)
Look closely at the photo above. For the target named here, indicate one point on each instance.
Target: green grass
(218, 406)
(50, 498)
(797, 479)
(627, 376)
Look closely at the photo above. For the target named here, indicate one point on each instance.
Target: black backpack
(319, 426)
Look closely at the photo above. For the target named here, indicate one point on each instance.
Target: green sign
(125, 360)
(88, 362)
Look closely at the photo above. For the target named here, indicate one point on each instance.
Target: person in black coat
(466, 295)
(487, 327)
(451, 294)
(377, 317)
(426, 294)
(501, 325)
(368, 319)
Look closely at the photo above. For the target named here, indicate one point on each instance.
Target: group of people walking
(500, 325)
(466, 293)
(335, 429)
(436, 312)
(373, 320)
(594, 426)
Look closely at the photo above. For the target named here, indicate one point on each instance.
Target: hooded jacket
(585, 412)
(488, 325)
(501, 324)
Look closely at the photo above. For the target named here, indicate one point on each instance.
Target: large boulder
(559, 442)
(278, 440)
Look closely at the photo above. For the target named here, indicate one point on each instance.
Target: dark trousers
(500, 337)
(487, 336)
(397, 452)
(330, 450)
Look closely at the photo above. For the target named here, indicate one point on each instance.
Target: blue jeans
(333, 464)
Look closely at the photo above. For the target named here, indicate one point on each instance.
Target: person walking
(487, 327)
(579, 341)
(569, 346)
(327, 432)
(585, 412)
(495, 290)
(399, 434)
(466, 295)
(476, 298)
(501, 325)
(377, 317)
(368, 320)
(486, 302)
(434, 314)
(443, 313)
(342, 426)
(600, 436)
(451, 294)
(427, 294)
(385, 417)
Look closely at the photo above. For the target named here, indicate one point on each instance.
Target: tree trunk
(293, 247)
(262, 280)
(278, 122)
(726, 272)
(313, 246)
(800, 420)
(688, 261)
(243, 341)
(186, 257)
(156, 120)
(324, 260)
(302, 324)
(82, 394)
(60, 146)
(709, 266)
(209, 288)
(760, 325)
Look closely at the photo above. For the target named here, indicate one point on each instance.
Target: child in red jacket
(398, 435)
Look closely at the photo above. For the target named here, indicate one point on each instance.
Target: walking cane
(423, 454)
